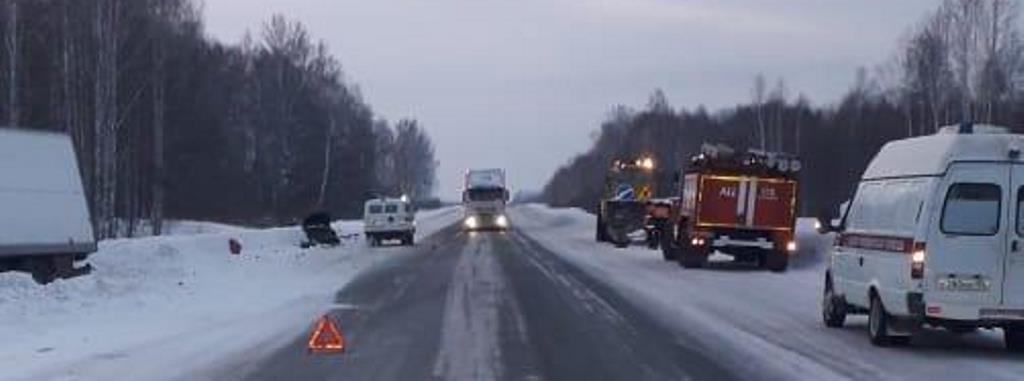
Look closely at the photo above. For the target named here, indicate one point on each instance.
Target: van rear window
(391, 208)
(972, 209)
(376, 209)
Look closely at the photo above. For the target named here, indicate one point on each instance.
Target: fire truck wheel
(691, 258)
(776, 260)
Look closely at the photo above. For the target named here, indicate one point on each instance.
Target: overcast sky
(524, 84)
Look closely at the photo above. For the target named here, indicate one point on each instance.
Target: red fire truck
(743, 204)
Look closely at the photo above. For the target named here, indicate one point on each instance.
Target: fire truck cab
(743, 204)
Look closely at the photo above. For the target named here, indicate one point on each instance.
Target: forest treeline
(169, 123)
(963, 61)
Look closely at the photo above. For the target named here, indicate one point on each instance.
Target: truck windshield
(488, 194)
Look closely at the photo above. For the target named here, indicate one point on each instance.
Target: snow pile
(162, 306)
(768, 323)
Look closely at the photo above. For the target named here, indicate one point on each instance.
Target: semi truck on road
(483, 200)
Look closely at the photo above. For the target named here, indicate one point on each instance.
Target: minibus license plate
(963, 284)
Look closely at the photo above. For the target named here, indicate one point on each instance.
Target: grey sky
(524, 84)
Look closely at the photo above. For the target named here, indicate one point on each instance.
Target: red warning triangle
(326, 337)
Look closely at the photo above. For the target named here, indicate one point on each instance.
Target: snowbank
(164, 307)
(769, 323)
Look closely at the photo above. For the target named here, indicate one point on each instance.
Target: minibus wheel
(878, 325)
(833, 307)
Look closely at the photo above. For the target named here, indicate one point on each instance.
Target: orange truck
(743, 204)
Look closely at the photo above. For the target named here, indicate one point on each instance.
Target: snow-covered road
(175, 306)
(766, 325)
(543, 301)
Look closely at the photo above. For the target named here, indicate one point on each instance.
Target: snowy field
(769, 323)
(165, 307)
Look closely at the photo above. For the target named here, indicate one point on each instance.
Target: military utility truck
(623, 207)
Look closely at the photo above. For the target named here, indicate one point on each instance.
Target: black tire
(776, 261)
(669, 247)
(410, 240)
(962, 329)
(1013, 336)
(653, 241)
(691, 257)
(600, 231)
(878, 325)
(833, 307)
(43, 270)
(622, 244)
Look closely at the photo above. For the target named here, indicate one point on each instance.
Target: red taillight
(917, 257)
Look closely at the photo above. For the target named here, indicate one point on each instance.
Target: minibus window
(391, 208)
(971, 209)
(1020, 211)
(376, 209)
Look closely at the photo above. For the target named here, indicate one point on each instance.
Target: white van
(389, 219)
(44, 216)
(934, 235)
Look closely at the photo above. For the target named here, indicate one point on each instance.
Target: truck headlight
(647, 163)
(501, 221)
(471, 222)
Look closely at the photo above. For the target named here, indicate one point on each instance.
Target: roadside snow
(166, 307)
(770, 323)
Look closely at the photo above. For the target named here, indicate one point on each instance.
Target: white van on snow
(389, 219)
(44, 216)
(934, 235)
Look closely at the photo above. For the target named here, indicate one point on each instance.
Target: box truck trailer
(44, 216)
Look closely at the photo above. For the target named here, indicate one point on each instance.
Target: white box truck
(483, 200)
(44, 216)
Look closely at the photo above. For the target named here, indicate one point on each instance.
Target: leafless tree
(12, 47)
(758, 94)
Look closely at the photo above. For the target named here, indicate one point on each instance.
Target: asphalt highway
(488, 306)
